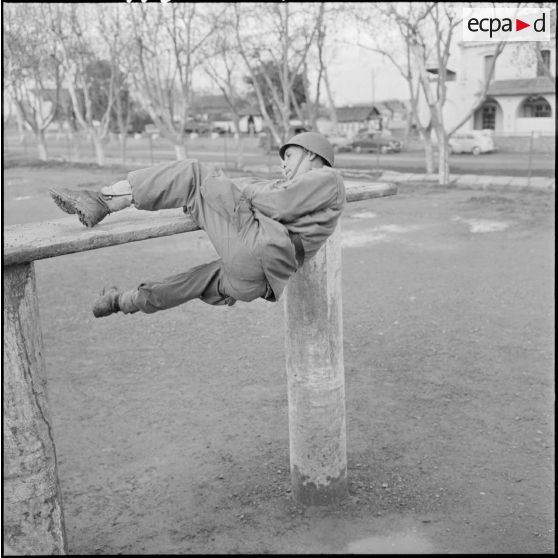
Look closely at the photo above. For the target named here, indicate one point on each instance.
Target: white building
(521, 97)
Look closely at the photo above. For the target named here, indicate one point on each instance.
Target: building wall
(517, 61)
(514, 123)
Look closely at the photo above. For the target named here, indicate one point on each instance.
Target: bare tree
(223, 66)
(275, 38)
(167, 43)
(313, 105)
(394, 43)
(79, 49)
(116, 35)
(428, 32)
(335, 16)
(444, 20)
(31, 68)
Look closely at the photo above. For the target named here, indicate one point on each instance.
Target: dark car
(375, 141)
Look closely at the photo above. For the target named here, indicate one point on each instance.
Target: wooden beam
(37, 241)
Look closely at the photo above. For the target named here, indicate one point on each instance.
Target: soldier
(262, 229)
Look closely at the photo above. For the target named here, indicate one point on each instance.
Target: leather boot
(107, 303)
(92, 207)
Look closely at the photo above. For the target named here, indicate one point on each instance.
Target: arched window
(489, 115)
(535, 106)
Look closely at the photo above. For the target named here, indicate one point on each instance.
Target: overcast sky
(359, 76)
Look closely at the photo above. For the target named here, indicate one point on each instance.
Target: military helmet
(314, 142)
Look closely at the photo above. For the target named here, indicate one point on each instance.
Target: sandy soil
(172, 429)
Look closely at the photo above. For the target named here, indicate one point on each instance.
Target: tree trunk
(99, 149)
(180, 151)
(428, 151)
(41, 146)
(20, 123)
(443, 162)
(123, 141)
(33, 516)
(332, 111)
(74, 154)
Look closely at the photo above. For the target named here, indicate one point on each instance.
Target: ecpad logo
(506, 24)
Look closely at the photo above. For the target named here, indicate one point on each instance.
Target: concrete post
(315, 377)
(33, 517)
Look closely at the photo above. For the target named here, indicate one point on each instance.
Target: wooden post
(33, 517)
(315, 378)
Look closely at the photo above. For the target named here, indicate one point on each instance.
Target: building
(521, 97)
(385, 115)
(351, 119)
(216, 111)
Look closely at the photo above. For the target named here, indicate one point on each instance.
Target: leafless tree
(394, 43)
(32, 70)
(313, 101)
(224, 66)
(167, 46)
(428, 33)
(271, 37)
(79, 48)
(329, 22)
(116, 35)
(443, 20)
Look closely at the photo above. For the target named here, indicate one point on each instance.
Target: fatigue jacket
(308, 205)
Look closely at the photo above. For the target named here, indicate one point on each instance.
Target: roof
(356, 113)
(217, 106)
(532, 86)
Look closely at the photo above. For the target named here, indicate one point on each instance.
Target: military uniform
(259, 228)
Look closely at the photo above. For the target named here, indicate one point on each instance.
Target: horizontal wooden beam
(36, 241)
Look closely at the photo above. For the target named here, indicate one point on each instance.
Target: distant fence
(512, 143)
(536, 142)
(147, 148)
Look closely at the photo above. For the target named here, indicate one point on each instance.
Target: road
(223, 150)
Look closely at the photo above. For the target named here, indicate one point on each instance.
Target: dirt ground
(172, 429)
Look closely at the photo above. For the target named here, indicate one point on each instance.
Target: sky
(360, 76)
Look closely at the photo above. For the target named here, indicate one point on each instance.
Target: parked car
(475, 142)
(375, 141)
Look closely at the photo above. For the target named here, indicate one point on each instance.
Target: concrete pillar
(315, 378)
(33, 518)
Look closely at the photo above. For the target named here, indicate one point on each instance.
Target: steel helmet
(314, 142)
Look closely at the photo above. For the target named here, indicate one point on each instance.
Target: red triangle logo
(519, 25)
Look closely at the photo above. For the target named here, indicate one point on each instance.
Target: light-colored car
(474, 141)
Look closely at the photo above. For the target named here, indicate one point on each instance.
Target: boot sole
(71, 206)
(63, 204)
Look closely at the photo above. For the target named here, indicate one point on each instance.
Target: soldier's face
(294, 155)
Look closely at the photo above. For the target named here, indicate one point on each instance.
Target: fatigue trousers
(222, 214)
